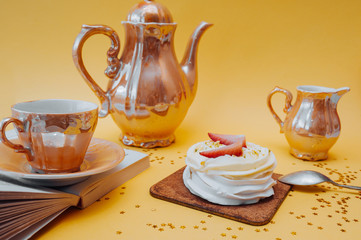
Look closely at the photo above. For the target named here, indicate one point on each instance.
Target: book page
(22, 206)
(26, 233)
(25, 209)
(12, 189)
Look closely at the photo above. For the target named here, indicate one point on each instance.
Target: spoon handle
(346, 186)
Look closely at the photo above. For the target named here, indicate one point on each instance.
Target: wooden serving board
(172, 189)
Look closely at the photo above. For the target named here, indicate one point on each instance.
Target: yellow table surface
(253, 46)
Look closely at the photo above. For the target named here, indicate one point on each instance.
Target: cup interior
(55, 106)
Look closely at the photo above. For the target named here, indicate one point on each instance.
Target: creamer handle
(287, 107)
(113, 61)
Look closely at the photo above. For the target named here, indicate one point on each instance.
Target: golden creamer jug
(312, 125)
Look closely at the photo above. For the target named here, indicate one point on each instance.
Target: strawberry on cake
(227, 170)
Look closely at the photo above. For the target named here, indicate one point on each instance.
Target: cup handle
(287, 107)
(113, 61)
(20, 127)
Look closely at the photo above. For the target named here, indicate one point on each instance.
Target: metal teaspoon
(307, 178)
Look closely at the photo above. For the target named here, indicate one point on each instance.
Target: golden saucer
(101, 156)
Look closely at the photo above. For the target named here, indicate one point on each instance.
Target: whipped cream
(230, 180)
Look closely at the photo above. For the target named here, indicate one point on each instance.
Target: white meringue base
(230, 180)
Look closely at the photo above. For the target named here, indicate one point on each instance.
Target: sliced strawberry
(228, 139)
(232, 149)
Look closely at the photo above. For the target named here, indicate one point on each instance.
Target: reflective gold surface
(54, 133)
(149, 92)
(312, 125)
(253, 46)
(101, 156)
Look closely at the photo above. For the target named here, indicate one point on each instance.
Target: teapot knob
(149, 11)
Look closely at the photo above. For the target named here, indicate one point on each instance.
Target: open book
(25, 209)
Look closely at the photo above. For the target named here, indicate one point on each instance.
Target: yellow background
(253, 46)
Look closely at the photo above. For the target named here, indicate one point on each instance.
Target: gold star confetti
(223, 234)
(137, 206)
(203, 222)
(182, 227)
(161, 229)
(119, 232)
(294, 233)
(229, 229)
(240, 228)
(234, 236)
(171, 225)
(195, 227)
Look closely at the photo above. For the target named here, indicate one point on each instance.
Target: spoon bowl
(308, 178)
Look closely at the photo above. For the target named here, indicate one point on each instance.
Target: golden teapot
(149, 92)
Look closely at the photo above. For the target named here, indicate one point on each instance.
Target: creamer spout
(189, 62)
(342, 91)
(338, 94)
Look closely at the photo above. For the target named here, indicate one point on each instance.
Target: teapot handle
(287, 107)
(113, 61)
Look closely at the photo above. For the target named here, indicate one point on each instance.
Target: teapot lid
(149, 11)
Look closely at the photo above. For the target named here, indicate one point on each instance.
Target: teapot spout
(189, 61)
